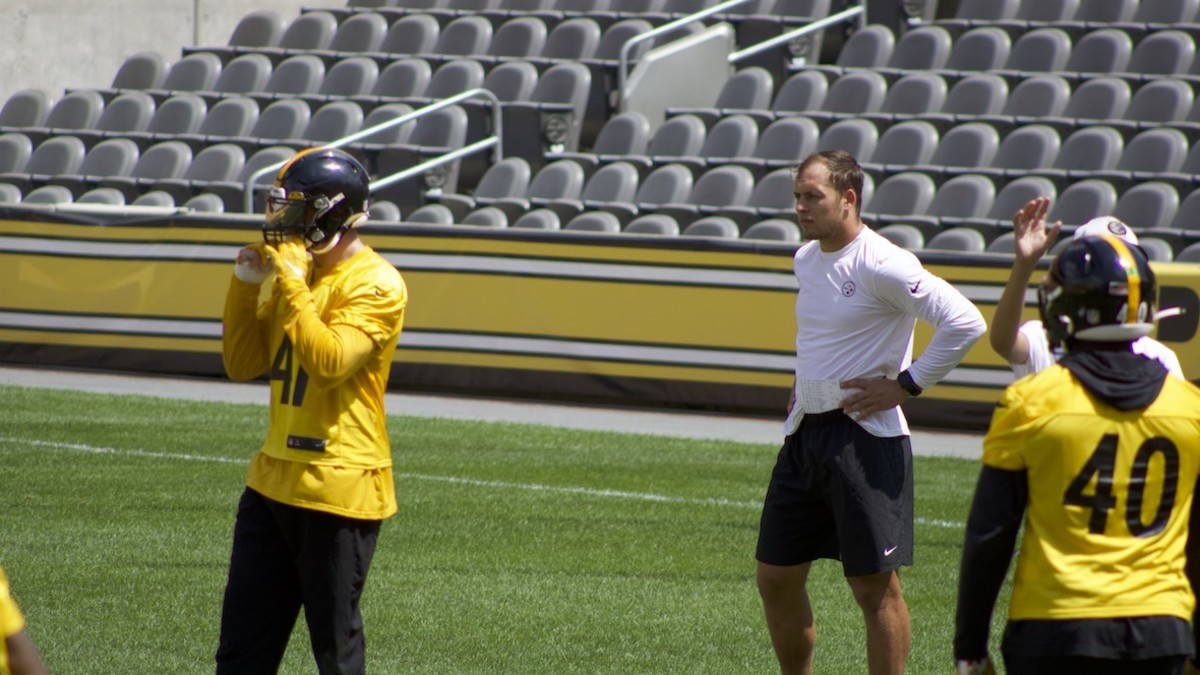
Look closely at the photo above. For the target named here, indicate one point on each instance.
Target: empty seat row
(1048, 49)
(1047, 99)
(368, 35)
(770, 229)
(1074, 14)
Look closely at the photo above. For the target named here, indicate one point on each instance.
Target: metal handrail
(493, 141)
(623, 58)
(820, 24)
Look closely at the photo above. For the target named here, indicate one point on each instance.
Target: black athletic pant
(284, 558)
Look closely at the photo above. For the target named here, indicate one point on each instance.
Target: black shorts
(1142, 645)
(839, 492)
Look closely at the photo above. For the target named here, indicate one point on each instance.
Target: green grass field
(518, 548)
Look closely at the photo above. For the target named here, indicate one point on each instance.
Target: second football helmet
(318, 195)
(1098, 288)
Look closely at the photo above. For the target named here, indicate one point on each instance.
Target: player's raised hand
(290, 260)
(1031, 237)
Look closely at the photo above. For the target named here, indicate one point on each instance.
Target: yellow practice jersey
(1110, 494)
(326, 447)
(11, 621)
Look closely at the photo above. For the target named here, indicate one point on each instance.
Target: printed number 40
(1102, 465)
(281, 370)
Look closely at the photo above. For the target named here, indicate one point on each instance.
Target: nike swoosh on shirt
(916, 287)
(888, 551)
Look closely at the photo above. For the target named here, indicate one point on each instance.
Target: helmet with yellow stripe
(1099, 288)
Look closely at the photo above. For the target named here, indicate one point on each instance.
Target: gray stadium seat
(1155, 103)
(1162, 53)
(105, 196)
(178, 115)
(1004, 243)
(925, 47)
(750, 88)
(294, 76)
(717, 188)
(980, 49)
(214, 165)
(615, 183)
(110, 157)
(899, 196)
(679, 136)
(155, 198)
(653, 224)
(194, 72)
(774, 229)
(282, 120)
(383, 211)
(15, 150)
(48, 194)
(1024, 150)
(487, 216)
(1187, 217)
(160, 162)
(1041, 50)
(667, 184)
(141, 70)
(25, 108)
(1107, 50)
(623, 135)
(359, 32)
(1011, 197)
(783, 143)
(975, 94)
(1148, 154)
(1096, 100)
(903, 145)
(1035, 98)
(354, 76)
(851, 94)
(245, 74)
(801, 92)
(519, 37)
(76, 110)
(594, 221)
(410, 34)
(511, 80)
(435, 134)
(904, 236)
(913, 94)
(394, 135)
(1190, 254)
(507, 178)
(1081, 201)
(53, 157)
(431, 214)
(561, 179)
(574, 39)
(732, 137)
(856, 136)
(538, 219)
(868, 47)
(1148, 205)
(963, 239)
(205, 203)
(333, 121)
(308, 32)
(712, 226)
(561, 95)
(464, 36)
(773, 197)
(965, 198)
(617, 34)
(228, 118)
(401, 79)
(1088, 149)
(258, 28)
(1156, 249)
(963, 149)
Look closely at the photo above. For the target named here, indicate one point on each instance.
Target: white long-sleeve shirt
(1042, 357)
(855, 313)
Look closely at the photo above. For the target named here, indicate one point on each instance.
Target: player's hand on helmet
(290, 260)
(251, 265)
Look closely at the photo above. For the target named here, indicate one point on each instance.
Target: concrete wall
(66, 44)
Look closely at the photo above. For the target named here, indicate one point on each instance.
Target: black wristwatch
(906, 383)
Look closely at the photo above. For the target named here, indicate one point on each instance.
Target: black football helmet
(1099, 288)
(318, 195)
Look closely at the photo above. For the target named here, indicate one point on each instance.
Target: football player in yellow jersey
(1098, 457)
(18, 655)
(320, 486)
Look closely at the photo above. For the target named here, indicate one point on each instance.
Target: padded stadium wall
(694, 324)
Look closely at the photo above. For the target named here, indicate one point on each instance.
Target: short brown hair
(844, 172)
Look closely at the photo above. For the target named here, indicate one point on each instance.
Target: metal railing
(847, 14)
(494, 141)
(858, 13)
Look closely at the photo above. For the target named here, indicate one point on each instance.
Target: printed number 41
(291, 393)
(1102, 465)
